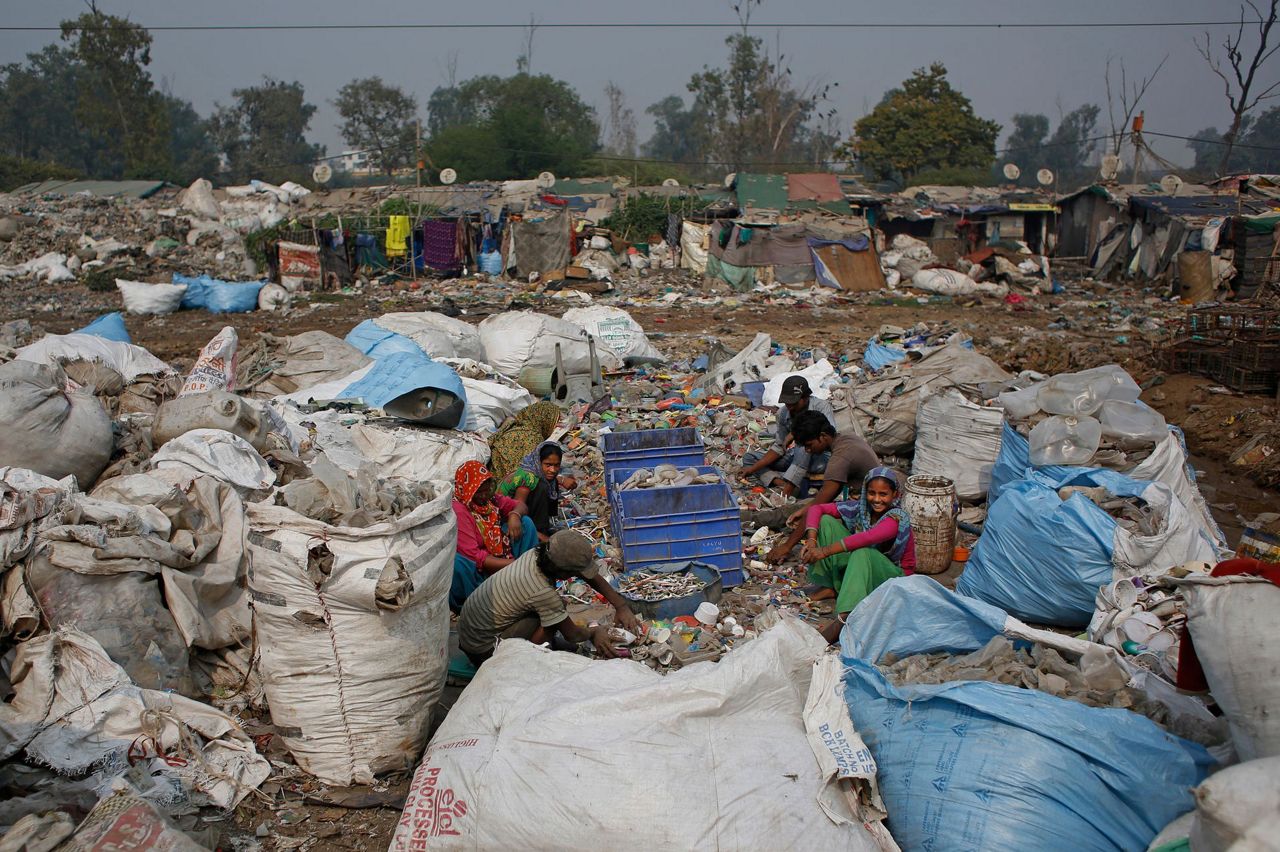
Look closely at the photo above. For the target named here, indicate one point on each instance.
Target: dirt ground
(1216, 425)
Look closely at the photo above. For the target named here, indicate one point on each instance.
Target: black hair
(549, 450)
(810, 425)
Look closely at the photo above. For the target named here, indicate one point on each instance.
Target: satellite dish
(1110, 167)
(671, 182)
(729, 179)
(546, 180)
(1171, 184)
(448, 176)
(1011, 171)
(1044, 177)
(322, 173)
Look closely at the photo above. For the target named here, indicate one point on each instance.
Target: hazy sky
(1002, 71)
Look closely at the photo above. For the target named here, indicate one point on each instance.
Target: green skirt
(853, 575)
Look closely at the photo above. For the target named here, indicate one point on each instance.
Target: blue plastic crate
(654, 526)
(648, 447)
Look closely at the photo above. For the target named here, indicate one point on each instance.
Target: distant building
(353, 162)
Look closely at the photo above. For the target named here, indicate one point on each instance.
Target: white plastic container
(1073, 394)
(1132, 421)
(1020, 404)
(1065, 440)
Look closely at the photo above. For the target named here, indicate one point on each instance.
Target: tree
(676, 132)
(37, 109)
(116, 107)
(380, 119)
(497, 128)
(1129, 94)
(618, 135)
(753, 113)
(191, 152)
(1025, 145)
(1239, 86)
(926, 124)
(263, 134)
(1069, 149)
(1254, 152)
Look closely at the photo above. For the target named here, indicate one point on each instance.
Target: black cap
(794, 389)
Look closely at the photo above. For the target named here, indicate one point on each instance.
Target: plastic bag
(1062, 440)
(435, 334)
(50, 428)
(126, 359)
(1233, 801)
(616, 329)
(1043, 558)
(352, 681)
(108, 327)
(736, 729)
(273, 297)
(517, 340)
(1232, 624)
(142, 298)
(126, 613)
(958, 440)
(215, 368)
(988, 766)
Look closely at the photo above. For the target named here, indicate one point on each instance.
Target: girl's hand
(515, 529)
(811, 552)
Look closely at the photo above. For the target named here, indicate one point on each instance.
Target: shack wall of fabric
(541, 246)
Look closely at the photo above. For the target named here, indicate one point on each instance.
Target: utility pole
(417, 150)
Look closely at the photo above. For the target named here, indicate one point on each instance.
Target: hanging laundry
(397, 236)
(440, 244)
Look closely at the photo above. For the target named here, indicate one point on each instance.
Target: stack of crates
(1238, 346)
(655, 526)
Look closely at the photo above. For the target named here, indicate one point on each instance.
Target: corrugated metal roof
(104, 188)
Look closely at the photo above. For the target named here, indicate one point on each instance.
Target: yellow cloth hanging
(397, 235)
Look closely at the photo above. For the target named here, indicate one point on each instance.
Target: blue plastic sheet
(1043, 558)
(1014, 463)
(918, 615)
(975, 765)
(378, 343)
(877, 356)
(108, 326)
(399, 373)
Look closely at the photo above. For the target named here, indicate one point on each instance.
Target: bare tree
(1239, 84)
(1130, 94)
(619, 131)
(524, 62)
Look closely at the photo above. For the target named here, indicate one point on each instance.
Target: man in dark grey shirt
(786, 465)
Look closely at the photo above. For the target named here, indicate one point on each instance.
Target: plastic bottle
(1065, 440)
(1020, 404)
(1073, 394)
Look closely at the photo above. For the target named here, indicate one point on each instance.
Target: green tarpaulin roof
(108, 188)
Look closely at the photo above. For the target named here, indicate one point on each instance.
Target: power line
(650, 25)
(1212, 141)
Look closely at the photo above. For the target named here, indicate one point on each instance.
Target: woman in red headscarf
(485, 543)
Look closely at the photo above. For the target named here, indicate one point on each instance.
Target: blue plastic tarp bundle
(217, 296)
(108, 326)
(1043, 558)
(974, 765)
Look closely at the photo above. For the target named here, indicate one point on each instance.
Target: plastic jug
(1020, 404)
(1132, 421)
(1120, 385)
(1073, 394)
(1065, 440)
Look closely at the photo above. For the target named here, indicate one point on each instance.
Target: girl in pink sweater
(854, 546)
